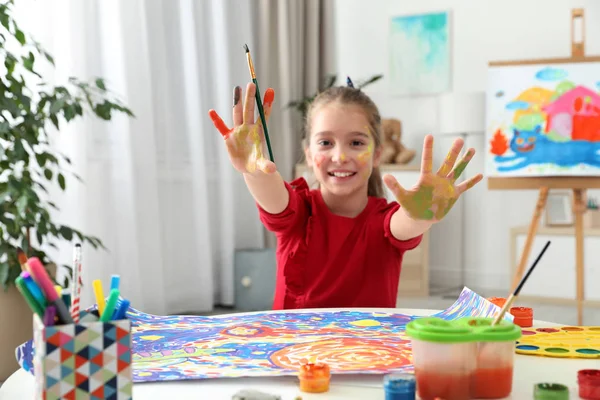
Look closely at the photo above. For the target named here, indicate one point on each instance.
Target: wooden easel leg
(579, 209)
(533, 226)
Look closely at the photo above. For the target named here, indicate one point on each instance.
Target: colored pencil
(76, 283)
(22, 259)
(31, 301)
(513, 295)
(41, 277)
(259, 104)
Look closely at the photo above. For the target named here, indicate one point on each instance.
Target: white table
(529, 370)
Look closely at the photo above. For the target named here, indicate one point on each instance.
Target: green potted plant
(31, 110)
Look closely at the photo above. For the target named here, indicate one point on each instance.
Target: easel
(544, 184)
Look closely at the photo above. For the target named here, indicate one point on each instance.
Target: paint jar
(314, 378)
(589, 384)
(444, 355)
(493, 377)
(523, 316)
(550, 391)
(399, 386)
(499, 301)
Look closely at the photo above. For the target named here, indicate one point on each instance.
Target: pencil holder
(84, 360)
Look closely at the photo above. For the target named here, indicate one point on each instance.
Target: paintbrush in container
(513, 295)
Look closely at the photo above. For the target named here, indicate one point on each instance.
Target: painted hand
(246, 141)
(435, 194)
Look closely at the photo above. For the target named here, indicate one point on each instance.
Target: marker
(99, 293)
(58, 289)
(49, 315)
(41, 276)
(35, 307)
(34, 289)
(121, 310)
(110, 306)
(114, 282)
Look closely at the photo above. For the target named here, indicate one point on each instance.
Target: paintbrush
(22, 259)
(512, 297)
(261, 110)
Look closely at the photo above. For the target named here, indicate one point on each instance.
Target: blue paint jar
(399, 386)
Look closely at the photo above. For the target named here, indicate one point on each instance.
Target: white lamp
(462, 114)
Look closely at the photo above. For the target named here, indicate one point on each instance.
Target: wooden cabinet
(414, 278)
(554, 279)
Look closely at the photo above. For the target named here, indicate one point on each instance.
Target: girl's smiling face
(341, 150)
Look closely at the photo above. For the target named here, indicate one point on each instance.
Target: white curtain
(158, 189)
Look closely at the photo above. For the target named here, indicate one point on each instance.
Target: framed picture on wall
(420, 54)
(559, 210)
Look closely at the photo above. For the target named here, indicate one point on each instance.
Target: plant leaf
(61, 181)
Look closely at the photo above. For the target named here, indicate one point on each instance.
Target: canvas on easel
(543, 131)
(543, 119)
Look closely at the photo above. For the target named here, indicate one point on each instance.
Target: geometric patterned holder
(88, 360)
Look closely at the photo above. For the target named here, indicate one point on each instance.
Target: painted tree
(499, 143)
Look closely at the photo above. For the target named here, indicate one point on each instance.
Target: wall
(481, 32)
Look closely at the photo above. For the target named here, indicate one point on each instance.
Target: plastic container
(589, 384)
(493, 377)
(523, 316)
(444, 358)
(399, 386)
(314, 378)
(550, 391)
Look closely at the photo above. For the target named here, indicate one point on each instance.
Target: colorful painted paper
(543, 120)
(276, 343)
(420, 54)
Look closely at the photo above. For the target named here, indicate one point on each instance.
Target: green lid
(433, 329)
(550, 391)
(485, 332)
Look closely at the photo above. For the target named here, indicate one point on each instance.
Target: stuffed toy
(394, 151)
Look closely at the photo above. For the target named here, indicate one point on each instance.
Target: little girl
(340, 245)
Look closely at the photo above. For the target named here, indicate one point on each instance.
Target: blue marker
(34, 289)
(114, 282)
(121, 310)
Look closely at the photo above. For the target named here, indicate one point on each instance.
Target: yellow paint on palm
(247, 147)
(432, 200)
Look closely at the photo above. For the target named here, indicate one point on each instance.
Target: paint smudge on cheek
(343, 157)
(318, 160)
(365, 156)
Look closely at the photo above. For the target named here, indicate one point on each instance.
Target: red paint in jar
(448, 386)
(589, 384)
(523, 316)
(492, 383)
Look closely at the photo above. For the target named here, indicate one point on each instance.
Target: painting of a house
(543, 120)
(575, 114)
